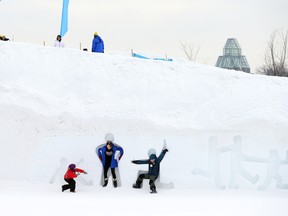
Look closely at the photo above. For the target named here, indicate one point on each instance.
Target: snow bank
(59, 103)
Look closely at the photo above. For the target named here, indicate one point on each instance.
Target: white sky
(150, 26)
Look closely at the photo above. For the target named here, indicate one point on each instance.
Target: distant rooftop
(232, 58)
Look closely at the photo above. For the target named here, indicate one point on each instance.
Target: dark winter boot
(114, 182)
(137, 185)
(105, 182)
(153, 190)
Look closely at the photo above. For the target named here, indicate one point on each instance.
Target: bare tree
(276, 57)
(191, 51)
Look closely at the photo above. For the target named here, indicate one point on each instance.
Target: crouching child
(71, 173)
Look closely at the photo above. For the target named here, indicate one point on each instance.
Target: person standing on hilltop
(58, 42)
(97, 44)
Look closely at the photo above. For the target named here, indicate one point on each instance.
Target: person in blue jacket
(153, 170)
(97, 44)
(107, 155)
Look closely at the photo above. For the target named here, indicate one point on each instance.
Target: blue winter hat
(152, 157)
(72, 166)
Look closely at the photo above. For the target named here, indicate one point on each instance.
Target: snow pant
(71, 185)
(106, 168)
(151, 178)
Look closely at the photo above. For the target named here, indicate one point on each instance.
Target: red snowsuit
(69, 178)
(72, 174)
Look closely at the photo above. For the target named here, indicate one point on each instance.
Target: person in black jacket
(153, 170)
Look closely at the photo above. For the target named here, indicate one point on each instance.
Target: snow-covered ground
(226, 132)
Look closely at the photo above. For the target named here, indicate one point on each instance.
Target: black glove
(165, 150)
(100, 157)
(85, 172)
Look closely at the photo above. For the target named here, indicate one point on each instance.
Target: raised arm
(161, 156)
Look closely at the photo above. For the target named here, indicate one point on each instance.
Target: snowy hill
(56, 105)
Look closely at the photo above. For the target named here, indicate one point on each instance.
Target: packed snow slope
(57, 105)
(179, 94)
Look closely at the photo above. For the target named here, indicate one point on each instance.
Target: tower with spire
(232, 57)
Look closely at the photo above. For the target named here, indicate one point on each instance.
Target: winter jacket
(58, 44)
(98, 44)
(114, 161)
(72, 174)
(153, 168)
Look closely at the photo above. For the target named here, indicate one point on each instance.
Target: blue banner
(139, 56)
(143, 57)
(64, 21)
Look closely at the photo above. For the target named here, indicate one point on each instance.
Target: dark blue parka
(153, 167)
(98, 44)
(114, 161)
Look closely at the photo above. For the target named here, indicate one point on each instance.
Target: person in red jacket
(72, 172)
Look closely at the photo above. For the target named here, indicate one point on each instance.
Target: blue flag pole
(64, 21)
